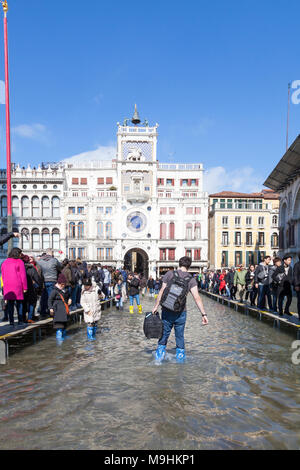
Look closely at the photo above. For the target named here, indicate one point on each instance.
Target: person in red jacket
(222, 286)
(14, 284)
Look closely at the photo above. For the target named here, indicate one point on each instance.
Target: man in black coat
(283, 277)
(296, 282)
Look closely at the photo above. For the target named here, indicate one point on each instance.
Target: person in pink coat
(14, 284)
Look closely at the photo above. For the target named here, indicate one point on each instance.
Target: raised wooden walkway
(21, 336)
(286, 323)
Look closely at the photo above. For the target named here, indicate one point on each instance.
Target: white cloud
(99, 154)
(2, 92)
(244, 180)
(32, 131)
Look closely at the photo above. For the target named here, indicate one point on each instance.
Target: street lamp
(8, 154)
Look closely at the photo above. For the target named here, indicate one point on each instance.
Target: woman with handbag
(250, 287)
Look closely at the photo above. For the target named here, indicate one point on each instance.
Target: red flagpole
(8, 151)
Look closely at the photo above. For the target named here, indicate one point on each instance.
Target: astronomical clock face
(136, 221)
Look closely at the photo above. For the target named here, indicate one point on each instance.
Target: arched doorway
(137, 260)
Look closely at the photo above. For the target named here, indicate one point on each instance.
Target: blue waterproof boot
(90, 332)
(59, 334)
(95, 328)
(64, 332)
(180, 355)
(160, 353)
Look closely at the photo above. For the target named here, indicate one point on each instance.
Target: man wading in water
(172, 297)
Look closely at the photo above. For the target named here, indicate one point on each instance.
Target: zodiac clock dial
(136, 221)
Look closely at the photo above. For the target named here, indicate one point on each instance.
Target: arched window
(4, 206)
(72, 230)
(100, 230)
(81, 230)
(274, 240)
(46, 207)
(275, 220)
(197, 231)
(25, 207)
(25, 239)
(172, 231)
(35, 202)
(15, 207)
(3, 232)
(163, 231)
(55, 206)
(55, 239)
(189, 232)
(108, 230)
(35, 236)
(45, 239)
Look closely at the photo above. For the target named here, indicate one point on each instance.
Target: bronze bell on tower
(136, 118)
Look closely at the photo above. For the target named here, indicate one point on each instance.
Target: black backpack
(174, 295)
(153, 326)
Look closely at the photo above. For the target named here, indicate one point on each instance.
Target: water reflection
(237, 390)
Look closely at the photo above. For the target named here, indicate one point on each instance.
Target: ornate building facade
(285, 179)
(243, 228)
(129, 209)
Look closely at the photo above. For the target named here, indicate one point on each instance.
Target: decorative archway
(137, 260)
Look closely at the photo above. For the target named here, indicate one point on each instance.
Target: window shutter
(109, 180)
(75, 181)
(100, 180)
(83, 181)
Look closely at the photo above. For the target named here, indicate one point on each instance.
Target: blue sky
(213, 74)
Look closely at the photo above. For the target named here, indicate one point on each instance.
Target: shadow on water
(238, 388)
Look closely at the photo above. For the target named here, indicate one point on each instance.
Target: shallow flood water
(237, 390)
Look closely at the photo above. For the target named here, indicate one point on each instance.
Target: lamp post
(8, 153)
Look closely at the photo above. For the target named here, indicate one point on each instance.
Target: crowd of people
(42, 287)
(269, 284)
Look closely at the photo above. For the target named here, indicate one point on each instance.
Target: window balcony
(138, 197)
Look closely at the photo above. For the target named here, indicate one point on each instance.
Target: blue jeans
(73, 295)
(169, 320)
(263, 291)
(119, 303)
(136, 297)
(30, 309)
(45, 296)
(10, 310)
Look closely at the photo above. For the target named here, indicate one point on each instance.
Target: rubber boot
(160, 353)
(90, 333)
(59, 334)
(155, 296)
(180, 355)
(64, 332)
(131, 309)
(140, 309)
(95, 328)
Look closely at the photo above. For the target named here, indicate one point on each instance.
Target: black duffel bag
(153, 325)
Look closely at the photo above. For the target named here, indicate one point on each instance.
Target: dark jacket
(249, 277)
(133, 286)
(69, 274)
(229, 278)
(296, 274)
(283, 281)
(150, 284)
(262, 274)
(51, 267)
(34, 284)
(55, 302)
(5, 238)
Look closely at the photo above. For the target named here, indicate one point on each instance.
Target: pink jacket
(14, 279)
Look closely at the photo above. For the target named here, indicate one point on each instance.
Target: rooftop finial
(136, 118)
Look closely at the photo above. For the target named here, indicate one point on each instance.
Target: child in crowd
(58, 304)
(91, 305)
(118, 294)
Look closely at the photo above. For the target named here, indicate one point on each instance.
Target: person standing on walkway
(296, 282)
(239, 281)
(262, 283)
(51, 268)
(273, 286)
(283, 276)
(175, 287)
(34, 285)
(250, 286)
(14, 284)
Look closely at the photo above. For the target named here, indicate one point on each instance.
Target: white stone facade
(107, 208)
